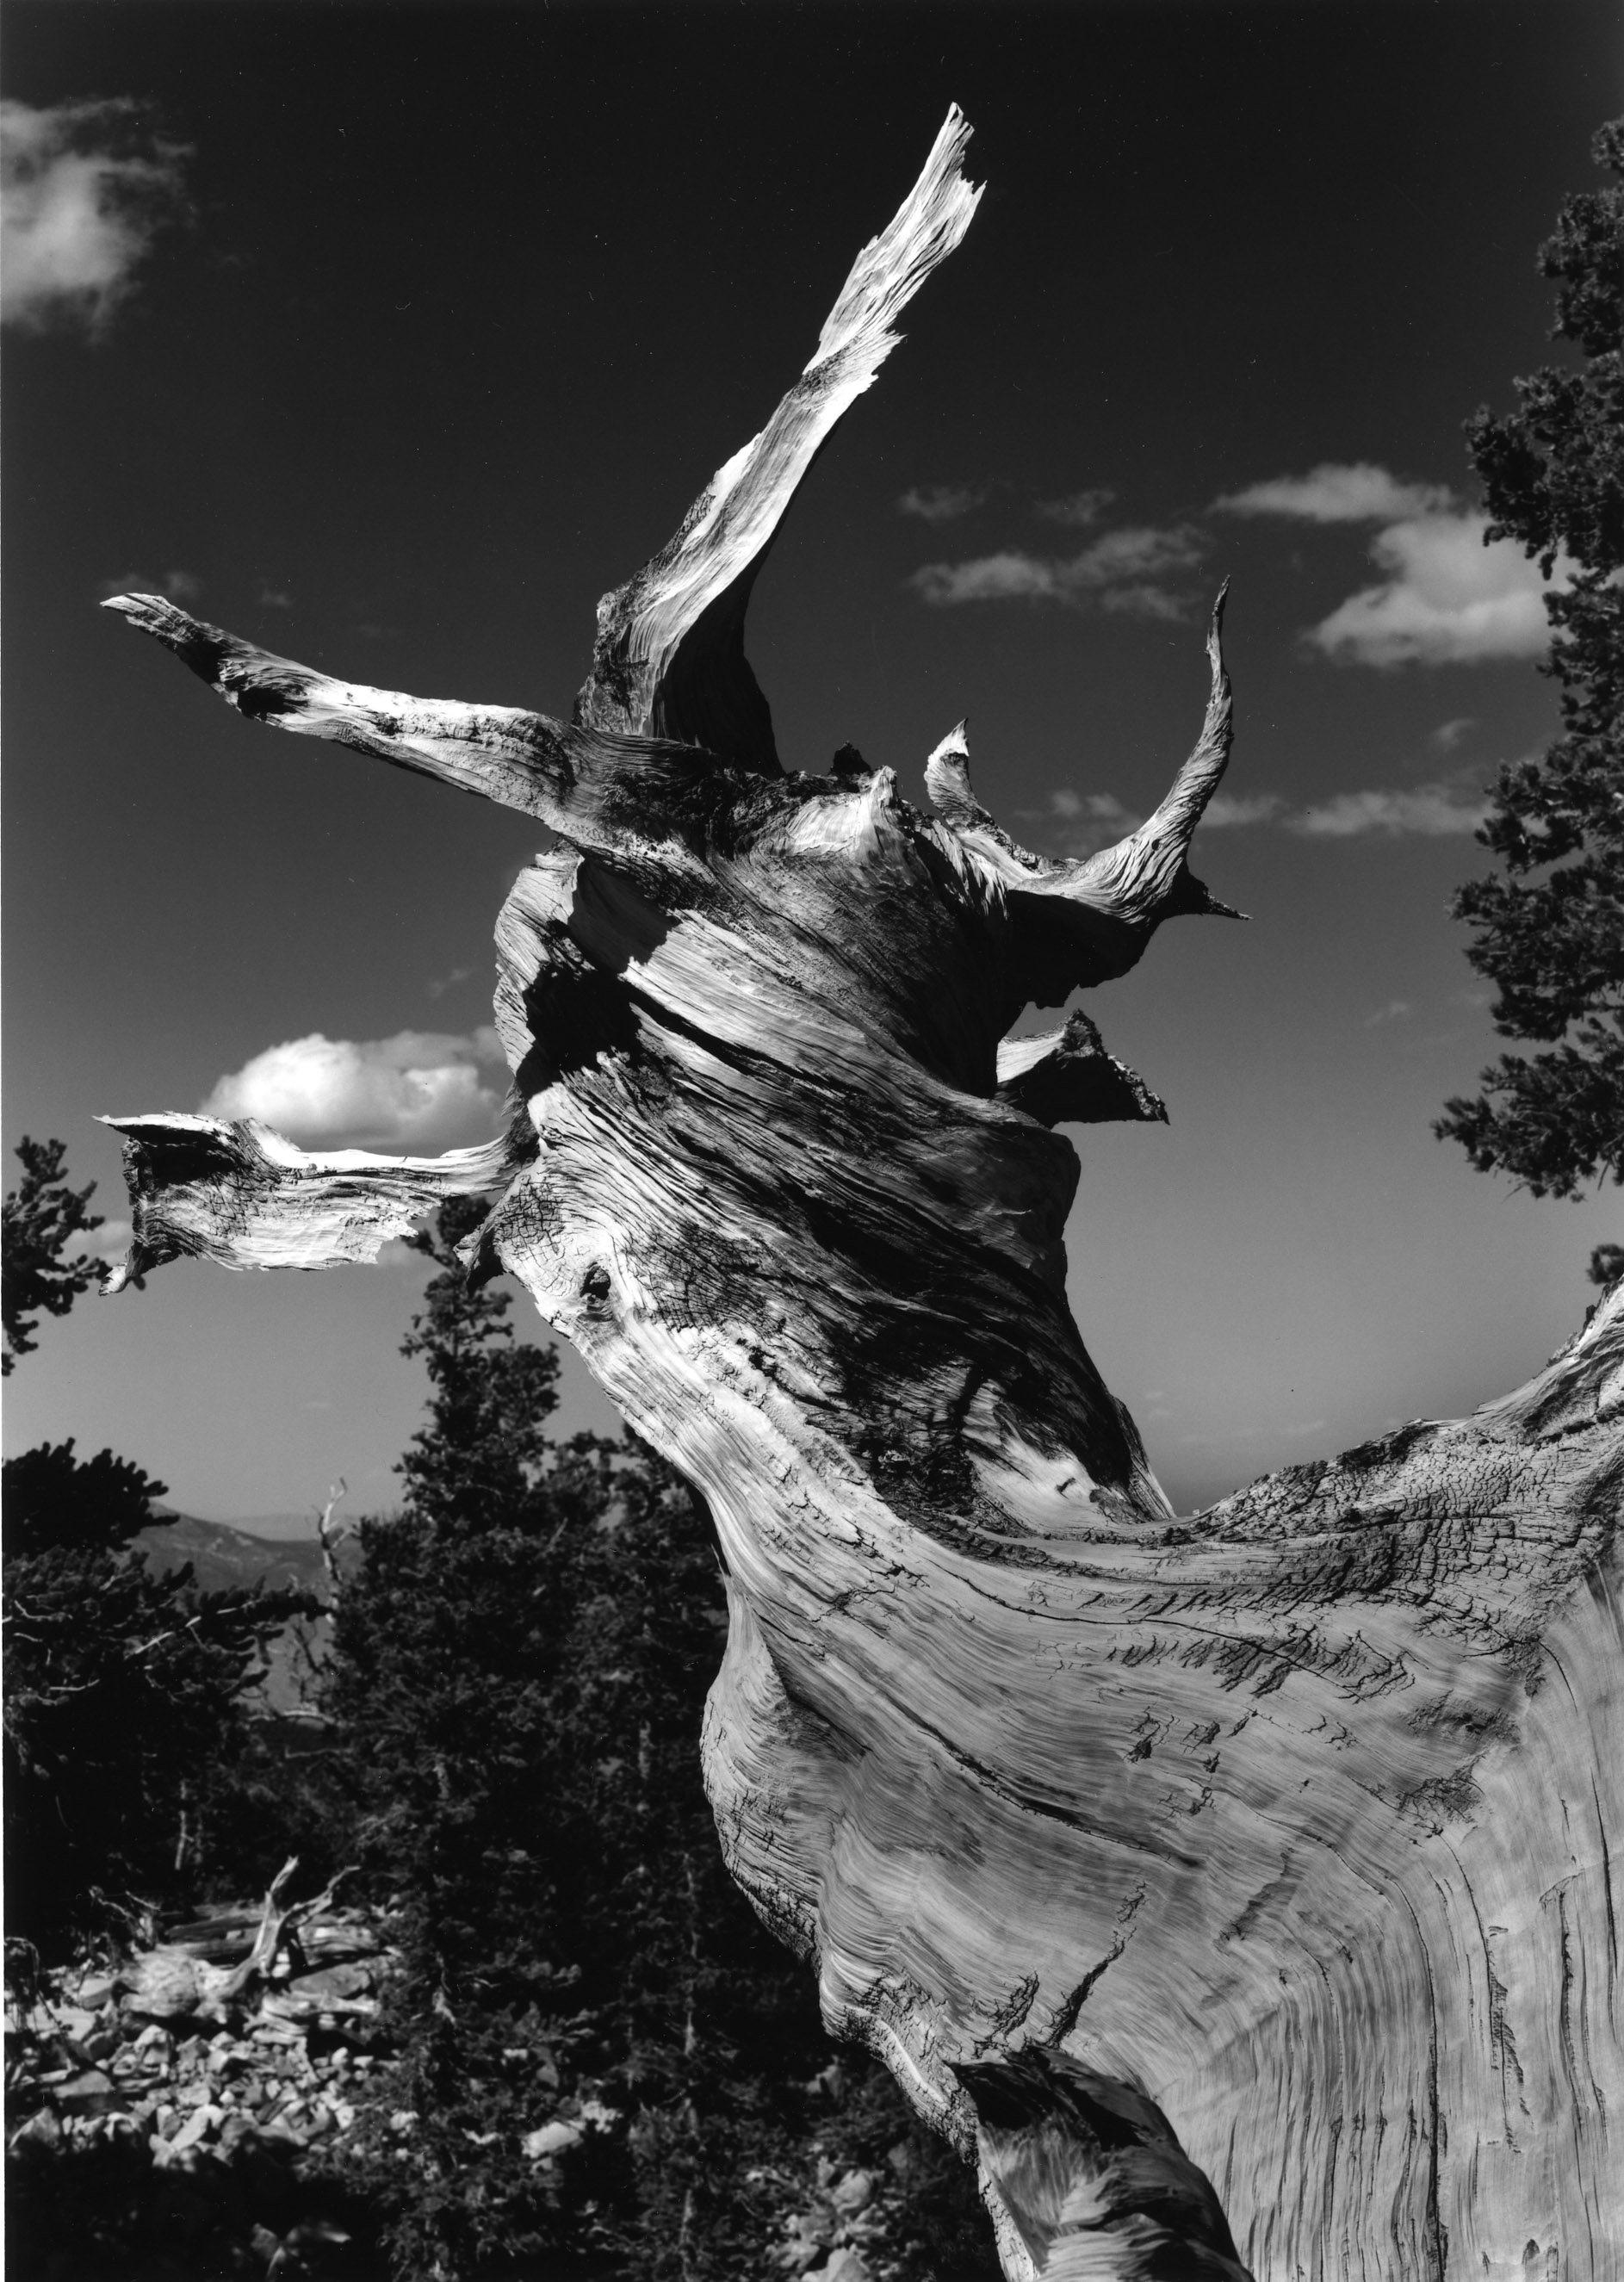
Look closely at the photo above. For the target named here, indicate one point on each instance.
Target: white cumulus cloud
(418, 1092)
(1443, 597)
(1121, 570)
(84, 189)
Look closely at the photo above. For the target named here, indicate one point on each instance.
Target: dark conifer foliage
(520, 1661)
(126, 1740)
(42, 1216)
(482, 1455)
(1548, 929)
(56, 1502)
(124, 1705)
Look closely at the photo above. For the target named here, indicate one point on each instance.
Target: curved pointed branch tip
(1147, 869)
(947, 771)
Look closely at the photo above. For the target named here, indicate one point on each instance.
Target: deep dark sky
(471, 300)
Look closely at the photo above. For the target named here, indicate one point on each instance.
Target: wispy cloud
(1448, 735)
(1139, 551)
(1234, 811)
(1076, 823)
(439, 984)
(942, 502)
(1443, 598)
(1356, 491)
(110, 1241)
(1121, 570)
(1427, 812)
(1004, 578)
(273, 598)
(1396, 1010)
(419, 1091)
(1079, 509)
(84, 189)
(1143, 600)
(180, 585)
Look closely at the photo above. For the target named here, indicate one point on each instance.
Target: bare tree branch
(242, 1196)
(512, 758)
(669, 658)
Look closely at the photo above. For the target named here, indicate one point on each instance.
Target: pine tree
(124, 1705)
(519, 1670)
(125, 1692)
(42, 1216)
(520, 1666)
(1549, 932)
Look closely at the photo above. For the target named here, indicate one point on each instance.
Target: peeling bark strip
(1244, 1877)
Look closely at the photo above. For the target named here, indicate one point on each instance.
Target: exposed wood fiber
(1238, 1890)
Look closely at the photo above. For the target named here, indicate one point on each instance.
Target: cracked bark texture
(1238, 1890)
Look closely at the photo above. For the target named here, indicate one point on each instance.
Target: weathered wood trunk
(1283, 1833)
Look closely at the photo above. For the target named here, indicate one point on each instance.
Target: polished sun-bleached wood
(1238, 1890)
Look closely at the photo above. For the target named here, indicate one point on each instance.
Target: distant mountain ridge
(225, 1557)
(276, 1526)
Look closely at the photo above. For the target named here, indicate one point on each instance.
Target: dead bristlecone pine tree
(1237, 1892)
